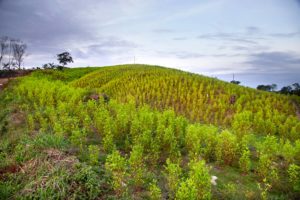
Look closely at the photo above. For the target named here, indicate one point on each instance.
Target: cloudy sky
(257, 40)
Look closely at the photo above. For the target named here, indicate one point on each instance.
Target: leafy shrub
(116, 166)
(173, 173)
(187, 190)
(154, 191)
(294, 176)
(137, 166)
(245, 162)
(226, 148)
(93, 154)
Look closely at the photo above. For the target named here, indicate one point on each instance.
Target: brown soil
(3, 82)
(9, 170)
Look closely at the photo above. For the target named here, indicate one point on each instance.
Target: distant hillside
(199, 98)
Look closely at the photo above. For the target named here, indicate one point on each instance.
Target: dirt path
(3, 82)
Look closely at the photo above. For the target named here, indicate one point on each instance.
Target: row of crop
(198, 98)
(137, 140)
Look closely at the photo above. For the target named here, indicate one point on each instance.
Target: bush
(173, 174)
(137, 166)
(93, 154)
(187, 190)
(154, 191)
(226, 148)
(116, 166)
(294, 176)
(245, 162)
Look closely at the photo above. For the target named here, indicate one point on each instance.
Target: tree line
(293, 89)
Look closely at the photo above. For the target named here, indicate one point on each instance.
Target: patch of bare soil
(53, 158)
(11, 169)
(18, 118)
(3, 82)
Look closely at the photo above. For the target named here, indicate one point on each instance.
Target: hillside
(158, 133)
(199, 98)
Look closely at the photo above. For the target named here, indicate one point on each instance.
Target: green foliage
(198, 98)
(154, 191)
(269, 146)
(78, 138)
(149, 122)
(116, 165)
(242, 123)
(137, 166)
(61, 183)
(187, 190)
(197, 185)
(288, 152)
(199, 174)
(226, 148)
(94, 154)
(294, 176)
(245, 162)
(264, 188)
(173, 173)
(201, 140)
(44, 141)
(230, 191)
(267, 170)
(30, 123)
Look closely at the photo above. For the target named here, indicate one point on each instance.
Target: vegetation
(162, 133)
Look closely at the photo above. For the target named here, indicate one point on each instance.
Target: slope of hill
(151, 140)
(199, 98)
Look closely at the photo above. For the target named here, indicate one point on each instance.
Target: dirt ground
(3, 82)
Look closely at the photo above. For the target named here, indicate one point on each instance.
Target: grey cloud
(49, 27)
(180, 54)
(188, 55)
(252, 30)
(285, 35)
(249, 48)
(114, 43)
(180, 38)
(274, 62)
(163, 30)
(228, 37)
(106, 46)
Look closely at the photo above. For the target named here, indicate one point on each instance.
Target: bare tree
(3, 49)
(19, 49)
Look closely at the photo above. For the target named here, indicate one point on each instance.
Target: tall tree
(19, 49)
(64, 58)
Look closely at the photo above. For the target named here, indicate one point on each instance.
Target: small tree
(235, 82)
(49, 66)
(64, 58)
